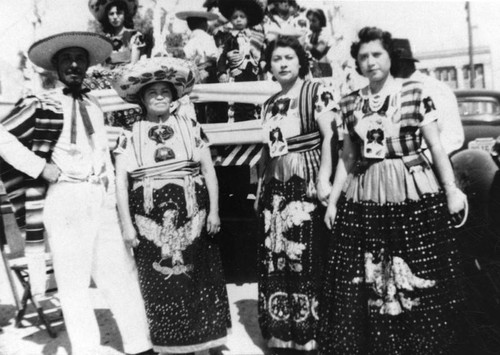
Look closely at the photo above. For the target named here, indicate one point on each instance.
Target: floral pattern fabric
(292, 251)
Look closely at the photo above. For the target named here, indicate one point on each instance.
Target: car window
(469, 106)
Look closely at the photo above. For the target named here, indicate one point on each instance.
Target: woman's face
(314, 24)
(116, 17)
(157, 98)
(285, 65)
(374, 61)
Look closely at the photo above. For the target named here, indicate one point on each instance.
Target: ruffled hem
(391, 181)
(192, 348)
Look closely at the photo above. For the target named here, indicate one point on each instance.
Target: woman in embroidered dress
(294, 180)
(115, 17)
(170, 209)
(392, 277)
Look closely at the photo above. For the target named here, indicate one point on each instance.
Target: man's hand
(51, 173)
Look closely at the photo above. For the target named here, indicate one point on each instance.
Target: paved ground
(245, 338)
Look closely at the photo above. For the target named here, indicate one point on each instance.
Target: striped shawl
(37, 122)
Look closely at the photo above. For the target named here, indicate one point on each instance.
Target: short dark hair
(291, 42)
(144, 88)
(320, 14)
(195, 23)
(368, 34)
(120, 6)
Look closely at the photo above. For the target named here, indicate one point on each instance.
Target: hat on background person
(97, 46)
(128, 80)
(401, 49)
(254, 9)
(98, 7)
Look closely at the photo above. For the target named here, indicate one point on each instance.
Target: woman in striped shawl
(295, 170)
(392, 278)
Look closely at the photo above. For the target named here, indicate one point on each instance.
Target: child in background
(241, 51)
(201, 50)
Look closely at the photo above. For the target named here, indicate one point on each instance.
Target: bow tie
(77, 94)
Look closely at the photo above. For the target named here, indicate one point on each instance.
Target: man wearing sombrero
(76, 202)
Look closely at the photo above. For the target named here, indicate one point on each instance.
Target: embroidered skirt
(180, 271)
(393, 280)
(290, 263)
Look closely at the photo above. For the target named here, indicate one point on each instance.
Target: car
(480, 113)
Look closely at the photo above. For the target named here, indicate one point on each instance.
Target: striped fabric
(247, 154)
(37, 121)
(409, 141)
(308, 142)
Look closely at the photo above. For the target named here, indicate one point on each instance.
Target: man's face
(72, 64)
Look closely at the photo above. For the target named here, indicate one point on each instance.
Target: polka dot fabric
(392, 283)
(189, 308)
(291, 260)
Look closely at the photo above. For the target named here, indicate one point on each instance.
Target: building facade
(453, 67)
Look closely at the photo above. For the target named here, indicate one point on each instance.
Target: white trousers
(85, 240)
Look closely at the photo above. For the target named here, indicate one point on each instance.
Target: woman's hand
(213, 223)
(129, 235)
(456, 200)
(323, 188)
(331, 213)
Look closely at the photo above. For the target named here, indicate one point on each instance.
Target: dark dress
(180, 269)
(295, 237)
(392, 282)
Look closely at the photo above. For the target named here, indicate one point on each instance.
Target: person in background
(449, 123)
(77, 208)
(392, 283)
(301, 129)
(169, 211)
(241, 51)
(115, 17)
(284, 19)
(202, 51)
(318, 43)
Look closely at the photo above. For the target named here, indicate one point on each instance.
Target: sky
(429, 25)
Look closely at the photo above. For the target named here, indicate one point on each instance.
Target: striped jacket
(37, 122)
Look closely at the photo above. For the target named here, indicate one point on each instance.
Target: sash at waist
(167, 170)
(304, 142)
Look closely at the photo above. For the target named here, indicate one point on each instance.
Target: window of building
(478, 76)
(447, 75)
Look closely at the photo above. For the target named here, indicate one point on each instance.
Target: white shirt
(17, 155)
(87, 156)
(449, 123)
(200, 46)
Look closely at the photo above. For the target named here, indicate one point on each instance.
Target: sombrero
(254, 9)
(128, 80)
(98, 7)
(183, 15)
(98, 47)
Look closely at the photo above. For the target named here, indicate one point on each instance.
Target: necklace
(375, 101)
